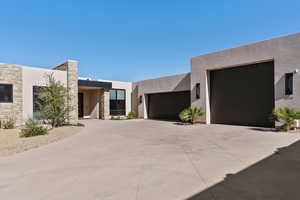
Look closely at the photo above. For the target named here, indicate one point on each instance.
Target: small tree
(191, 115)
(286, 116)
(53, 102)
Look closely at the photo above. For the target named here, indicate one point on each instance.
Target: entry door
(80, 104)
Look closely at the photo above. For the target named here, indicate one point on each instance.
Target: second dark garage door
(167, 105)
(243, 95)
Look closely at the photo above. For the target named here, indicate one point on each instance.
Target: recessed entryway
(80, 105)
(167, 105)
(243, 95)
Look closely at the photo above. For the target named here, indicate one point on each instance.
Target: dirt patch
(11, 143)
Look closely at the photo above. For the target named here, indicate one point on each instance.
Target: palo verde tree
(53, 102)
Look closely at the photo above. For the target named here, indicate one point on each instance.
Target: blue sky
(135, 40)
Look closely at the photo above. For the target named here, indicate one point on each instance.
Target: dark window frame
(35, 110)
(289, 83)
(198, 90)
(118, 102)
(11, 98)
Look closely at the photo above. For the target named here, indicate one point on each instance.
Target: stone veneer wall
(95, 108)
(101, 106)
(12, 74)
(106, 105)
(72, 83)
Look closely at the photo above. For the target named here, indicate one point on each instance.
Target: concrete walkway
(136, 160)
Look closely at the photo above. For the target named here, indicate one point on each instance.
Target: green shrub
(54, 106)
(9, 123)
(191, 115)
(286, 116)
(132, 115)
(32, 128)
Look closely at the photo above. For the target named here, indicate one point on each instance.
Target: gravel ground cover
(11, 143)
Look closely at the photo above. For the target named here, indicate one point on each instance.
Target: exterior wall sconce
(141, 99)
(197, 90)
(289, 83)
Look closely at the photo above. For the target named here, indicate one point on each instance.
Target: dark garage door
(243, 95)
(167, 105)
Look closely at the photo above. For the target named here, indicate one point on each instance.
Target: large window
(117, 102)
(6, 93)
(36, 101)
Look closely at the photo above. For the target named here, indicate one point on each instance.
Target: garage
(243, 95)
(167, 106)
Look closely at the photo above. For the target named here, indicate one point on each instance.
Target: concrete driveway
(144, 160)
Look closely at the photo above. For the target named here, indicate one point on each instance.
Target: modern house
(238, 86)
(98, 99)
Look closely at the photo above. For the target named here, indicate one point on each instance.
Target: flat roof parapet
(94, 83)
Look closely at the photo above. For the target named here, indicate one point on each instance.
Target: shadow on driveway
(262, 129)
(274, 178)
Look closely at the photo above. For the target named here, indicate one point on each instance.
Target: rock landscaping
(11, 142)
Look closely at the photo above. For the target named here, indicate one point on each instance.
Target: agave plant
(286, 116)
(191, 115)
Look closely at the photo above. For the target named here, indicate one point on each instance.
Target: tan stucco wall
(36, 77)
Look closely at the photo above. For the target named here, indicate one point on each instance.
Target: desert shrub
(191, 115)
(54, 106)
(33, 128)
(8, 123)
(132, 115)
(285, 116)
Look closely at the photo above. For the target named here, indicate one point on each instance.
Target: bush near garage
(285, 116)
(191, 115)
